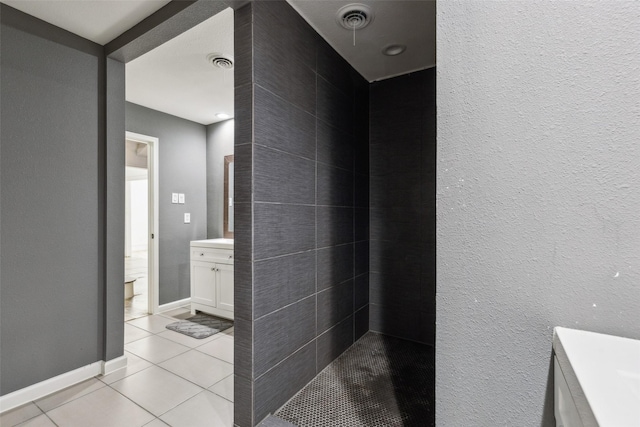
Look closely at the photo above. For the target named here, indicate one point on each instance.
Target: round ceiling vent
(355, 16)
(219, 60)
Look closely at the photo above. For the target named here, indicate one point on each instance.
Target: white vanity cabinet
(212, 277)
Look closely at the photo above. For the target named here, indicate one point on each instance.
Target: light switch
(174, 197)
(187, 218)
(181, 198)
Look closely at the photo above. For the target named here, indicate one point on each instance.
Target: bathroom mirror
(228, 197)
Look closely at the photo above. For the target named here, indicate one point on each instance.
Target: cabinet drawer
(213, 255)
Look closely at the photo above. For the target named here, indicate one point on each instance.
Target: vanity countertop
(603, 375)
(213, 243)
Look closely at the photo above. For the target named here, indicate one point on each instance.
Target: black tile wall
(335, 265)
(278, 385)
(361, 322)
(283, 280)
(361, 291)
(335, 225)
(334, 342)
(283, 229)
(335, 186)
(361, 257)
(283, 126)
(243, 400)
(402, 207)
(335, 147)
(279, 334)
(243, 346)
(302, 115)
(334, 304)
(273, 172)
(243, 162)
(335, 107)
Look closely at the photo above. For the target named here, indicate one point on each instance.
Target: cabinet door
(225, 286)
(203, 283)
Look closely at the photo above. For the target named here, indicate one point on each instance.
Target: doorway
(140, 226)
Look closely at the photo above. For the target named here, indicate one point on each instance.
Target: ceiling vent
(219, 60)
(354, 16)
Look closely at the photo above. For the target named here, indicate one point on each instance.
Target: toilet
(128, 287)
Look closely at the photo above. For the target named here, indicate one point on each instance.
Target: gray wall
(537, 196)
(219, 144)
(182, 169)
(403, 222)
(302, 281)
(53, 189)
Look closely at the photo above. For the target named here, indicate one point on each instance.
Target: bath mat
(200, 326)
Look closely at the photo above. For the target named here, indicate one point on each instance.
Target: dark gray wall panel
(304, 225)
(361, 291)
(242, 400)
(335, 107)
(243, 218)
(335, 226)
(402, 206)
(283, 229)
(334, 304)
(335, 186)
(335, 265)
(283, 178)
(52, 289)
(283, 126)
(277, 386)
(335, 147)
(182, 169)
(243, 111)
(334, 342)
(361, 257)
(243, 345)
(283, 280)
(284, 54)
(361, 322)
(282, 332)
(220, 143)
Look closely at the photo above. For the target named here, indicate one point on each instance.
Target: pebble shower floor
(380, 381)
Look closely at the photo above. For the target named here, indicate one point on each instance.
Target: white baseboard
(46, 387)
(114, 365)
(173, 305)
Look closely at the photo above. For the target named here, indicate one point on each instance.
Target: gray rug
(200, 326)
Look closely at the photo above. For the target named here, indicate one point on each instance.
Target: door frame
(153, 221)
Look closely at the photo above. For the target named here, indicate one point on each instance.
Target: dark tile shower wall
(402, 214)
(302, 224)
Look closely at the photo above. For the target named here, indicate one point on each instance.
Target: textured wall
(51, 285)
(302, 282)
(403, 214)
(537, 196)
(182, 157)
(220, 137)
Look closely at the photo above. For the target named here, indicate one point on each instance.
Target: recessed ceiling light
(223, 116)
(394, 49)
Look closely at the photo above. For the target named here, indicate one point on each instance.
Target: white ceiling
(97, 20)
(408, 22)
(177, 79)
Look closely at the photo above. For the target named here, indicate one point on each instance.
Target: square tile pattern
(170, 380)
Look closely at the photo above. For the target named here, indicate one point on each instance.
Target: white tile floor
(171, 379)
